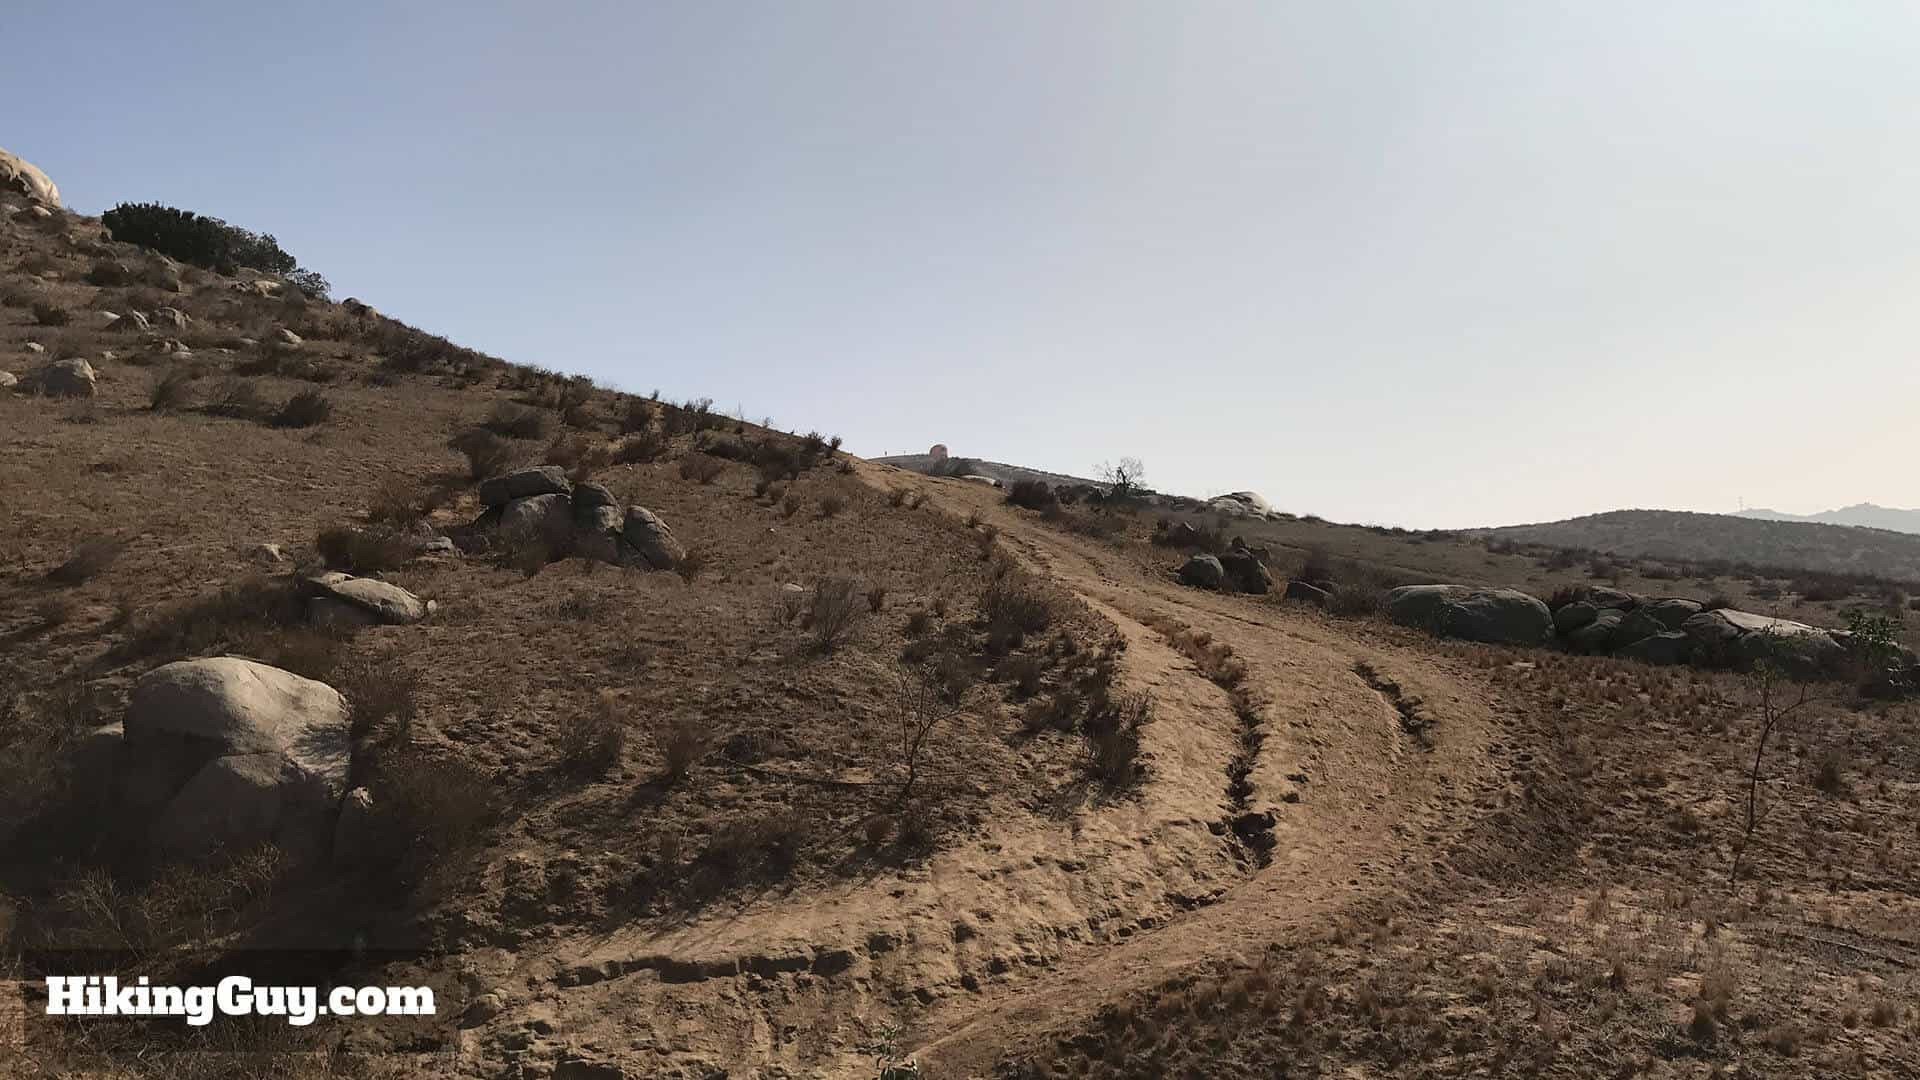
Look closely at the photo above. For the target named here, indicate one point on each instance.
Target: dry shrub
(642, 447)
(701, 468)
(832, 611)
(487, 454)
(691, 565)
(580, 416)
(919, 621)
(876, 598)
(238, 399)
(591, 739)
(170, 391)
(831, 505)
(580, 455)
(54, 610)
(308, 408)
(49, 314)
(1013, 605)
(396, 502)
(365, 550)
(312, 654)
(87, 561)
(636, 416)
(683, 743)
(896, 496)
(515, 422)
(384, 695)
(1032, 494)
(430, 811)
(1112, 753)
(789, 505)
(230, 615)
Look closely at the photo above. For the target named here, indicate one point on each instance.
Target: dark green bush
(202, 241)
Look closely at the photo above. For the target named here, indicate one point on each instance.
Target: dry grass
(591, 740)
(87, 561)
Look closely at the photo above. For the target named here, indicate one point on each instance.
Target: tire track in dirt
(1375, 809)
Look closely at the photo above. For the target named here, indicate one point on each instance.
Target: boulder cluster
(541, 505)
(1238, 569)
(1605, 621)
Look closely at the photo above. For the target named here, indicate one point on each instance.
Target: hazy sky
(1428, 264)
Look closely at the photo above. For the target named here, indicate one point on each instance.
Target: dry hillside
(1728, 538)
(885, 768)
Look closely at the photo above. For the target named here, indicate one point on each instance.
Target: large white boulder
(25, 178)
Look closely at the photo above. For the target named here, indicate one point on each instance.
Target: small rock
(35, 347)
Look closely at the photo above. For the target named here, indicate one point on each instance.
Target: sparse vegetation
(832, 611)
(591, 739)
(308, 408)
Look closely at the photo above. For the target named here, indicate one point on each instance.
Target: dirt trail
(998, 942)
(1355, 800)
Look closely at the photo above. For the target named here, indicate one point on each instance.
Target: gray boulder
(544, 518)
(649, 539)
(1671, 611)
(1802, 653)
(1638, 624)
(1573, 616)
(8, 380)
(1245, 573)
(597, 532)
(171, 316)
(234, 706)
(1711, 632)
(589, 497)
(285, 338)
(1312, 594)
(382, 601)
(1203, 572)
(1599, 635)
(1504, 616)
(228, 752)
(233, 801)
(1667, 647)
(72, 377)
(131, 323)
(524, 483)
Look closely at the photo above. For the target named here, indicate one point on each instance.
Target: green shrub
(192, 238)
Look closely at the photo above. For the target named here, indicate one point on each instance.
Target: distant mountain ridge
(1683, 536)
(1861, 515)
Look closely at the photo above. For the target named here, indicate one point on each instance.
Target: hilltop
(1727, 540)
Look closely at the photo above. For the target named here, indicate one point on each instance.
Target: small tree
(927, 701)
(1874, 644)
(1776, 703)
(1123, 478)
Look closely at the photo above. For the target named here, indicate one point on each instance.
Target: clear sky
(1431, 264)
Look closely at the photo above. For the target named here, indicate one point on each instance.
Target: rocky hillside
(1725, 539)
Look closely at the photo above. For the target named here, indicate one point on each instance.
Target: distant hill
(1006, 474)
(1705, 538)
(1863, 515)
